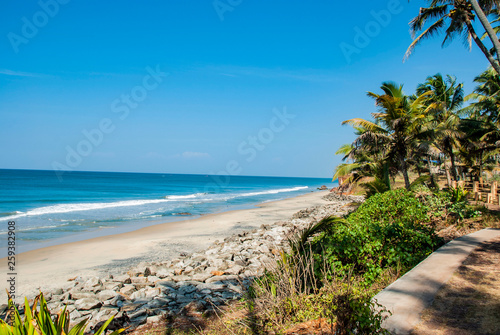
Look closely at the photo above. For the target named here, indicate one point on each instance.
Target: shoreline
(51, 267)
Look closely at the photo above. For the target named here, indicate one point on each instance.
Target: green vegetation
(39, 321)
(424, 132)
(388, 230)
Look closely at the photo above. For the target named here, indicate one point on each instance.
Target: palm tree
(443, 99)
(487, 96)
(488, 6)
(483, 126)
(456, 16)
(391, 135)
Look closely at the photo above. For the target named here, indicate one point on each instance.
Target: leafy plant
(388, 230)
(458, 194)
(375, 186)
(353, 310)
(38, 321)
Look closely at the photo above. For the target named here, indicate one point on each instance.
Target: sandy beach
(51, 267)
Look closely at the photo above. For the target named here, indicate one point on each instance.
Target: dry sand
(51, 267)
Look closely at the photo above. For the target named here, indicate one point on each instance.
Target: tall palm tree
(483, 126)
(488, 7)
(391, 134)
(443, 99)
(486, 96)
(455, 17)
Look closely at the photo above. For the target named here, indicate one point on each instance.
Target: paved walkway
(408, 296)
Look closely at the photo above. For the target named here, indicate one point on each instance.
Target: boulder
(86, 304)
(92, 282)
(106, 295)
(128, 289)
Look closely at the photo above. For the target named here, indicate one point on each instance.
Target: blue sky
(255, 87)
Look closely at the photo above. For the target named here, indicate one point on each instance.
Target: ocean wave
(276, 191)
(10, 213)
(197, 197)
(184, 197)
(66, 208)
(33, 228)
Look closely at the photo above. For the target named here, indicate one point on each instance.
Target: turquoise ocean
(51, 209)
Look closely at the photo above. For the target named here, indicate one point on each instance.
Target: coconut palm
(486, 96)
(391, 134)
(455, 17)
(483, 126)
(443, 99)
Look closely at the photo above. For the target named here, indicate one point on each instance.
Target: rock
(201, 277)
(323, 188)
(116, 301)
(138, 280)
(138, 294)
(82, 295)
(215, 279)
(152, 292)
(58, 291)
(157, 303)
(125, 279)
(75, 314)
(154, 319)
(153, 279)
(170, 284)
(181, 278)
(186, 289)
(163, 273)
(128, 289)
(92, 282)
(87, 304)
(263, 249)
(106, 295)
(114, 286)
(235, 270)
(217, 273)
(137, 314)
(188, 270)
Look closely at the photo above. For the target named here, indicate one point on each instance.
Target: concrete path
(408, 296)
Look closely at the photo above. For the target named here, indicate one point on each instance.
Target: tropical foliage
(426, 132)
(39, 321)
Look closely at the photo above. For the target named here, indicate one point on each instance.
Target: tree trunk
(494, 63)
(448, 177)
(433, 181)
(453, 167)
(480, 166)
(404, 170)
(487, 26)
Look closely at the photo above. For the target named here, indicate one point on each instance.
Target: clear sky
(249, 87)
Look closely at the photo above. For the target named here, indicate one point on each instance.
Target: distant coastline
(118, 252)
(87, 205)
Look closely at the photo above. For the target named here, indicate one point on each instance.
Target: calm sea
(47, 210)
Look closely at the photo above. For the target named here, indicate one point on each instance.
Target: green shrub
(38, 321)
(388, 230)
(451, 204)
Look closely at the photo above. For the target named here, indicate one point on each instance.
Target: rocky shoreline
(195, 283)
